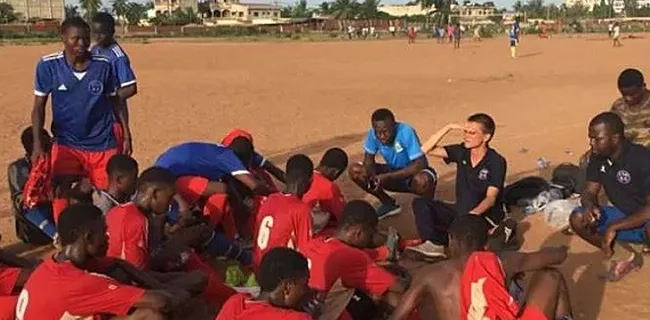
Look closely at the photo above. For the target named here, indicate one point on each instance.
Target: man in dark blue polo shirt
(480, 177)
(622, 168)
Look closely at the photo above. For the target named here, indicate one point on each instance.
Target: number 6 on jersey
(265, 232)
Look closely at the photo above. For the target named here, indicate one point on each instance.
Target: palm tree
(135, 12)
(90, 7)
(120, 8)
(442, 7)
(368, 9)
(345, 9)
(300, 10)
(324, 8)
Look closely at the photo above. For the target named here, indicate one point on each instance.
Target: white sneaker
(429, 250)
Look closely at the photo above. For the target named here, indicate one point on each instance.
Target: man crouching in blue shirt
(406, 168)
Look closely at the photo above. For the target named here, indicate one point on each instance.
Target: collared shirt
(405, 149)
(626, 179)
(472, 182)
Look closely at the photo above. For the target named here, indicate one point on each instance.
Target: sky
(500, 3)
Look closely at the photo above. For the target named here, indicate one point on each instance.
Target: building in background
(38, 9)
(405, 10)
(169, 6)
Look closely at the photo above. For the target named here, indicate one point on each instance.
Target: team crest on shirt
(95, 87)
(398, 147)
(623, 177)
(483, 174)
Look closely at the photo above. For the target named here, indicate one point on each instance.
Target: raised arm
(516, 262)
(431, 145)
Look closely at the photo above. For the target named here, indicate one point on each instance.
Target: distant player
(472, 284)
(513, 36)
(84, 104)
(458, 32)
(106, 45)
(283, 275)
(616, 35)
(324, 197)
(284, 220)
(412, 34)
(61, 288)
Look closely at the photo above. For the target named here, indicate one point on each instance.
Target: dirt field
(305, 97)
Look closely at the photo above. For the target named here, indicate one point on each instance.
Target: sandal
(619, 269)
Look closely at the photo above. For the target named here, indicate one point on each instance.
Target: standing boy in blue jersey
(406, 168)
(107, 46)
(205, 174)
(84, 110)
(514, 41)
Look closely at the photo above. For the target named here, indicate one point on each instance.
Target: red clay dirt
(303, 97)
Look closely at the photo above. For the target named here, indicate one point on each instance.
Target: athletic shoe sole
(426, 254)
(391, 213)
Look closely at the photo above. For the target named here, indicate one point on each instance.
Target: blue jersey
(405, 149)
(208, 160)
(82, 113)
(120, 63)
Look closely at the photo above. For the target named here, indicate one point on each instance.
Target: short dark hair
(279, 265)
(382, 114)
(155, 177)
(106, 20)
(299, 167)
(27, 139)
(359, 213)
(486, 122)
(243, 148)
(630, 78)
(471, 231)
(75, 221)
(611, 120)
(76, 22)
(335, 158)
(121, 164)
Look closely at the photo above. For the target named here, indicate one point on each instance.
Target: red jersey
(326, 202)
(128, 230)
(331, 260)
(240, 307)
(483, 291)
(8, 279)
(59, 290)
(282, 221)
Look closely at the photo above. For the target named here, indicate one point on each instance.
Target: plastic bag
(557, 212)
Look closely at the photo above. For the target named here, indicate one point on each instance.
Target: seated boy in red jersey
(61, 288)
(14, 272)
(324, 197)
(122, 172)
(283, 219)
(283, 276)
(137, 234)
(339, 265)
(472, 284)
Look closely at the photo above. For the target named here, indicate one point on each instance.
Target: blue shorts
(610, 215)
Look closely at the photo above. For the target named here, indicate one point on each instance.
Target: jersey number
(21, 306)
(479, 303)
(265, 232)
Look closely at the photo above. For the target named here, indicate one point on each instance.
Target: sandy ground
(306, 97)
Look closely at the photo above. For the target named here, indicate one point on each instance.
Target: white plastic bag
(557, 212)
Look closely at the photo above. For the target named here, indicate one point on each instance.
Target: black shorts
(403, 185)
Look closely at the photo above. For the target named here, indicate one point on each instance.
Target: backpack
(570, 177)
(29, 233)
(526, 188)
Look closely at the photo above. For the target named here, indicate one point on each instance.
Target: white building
(617, 5)
(405, 10)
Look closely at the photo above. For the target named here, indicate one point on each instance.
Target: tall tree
(71, 11)
(518, 6)
(135, 12)
(90, 7)
(345, 9)
(368, 9)
(300, 10)
(7, 13)
(324, 8)
(120, 8)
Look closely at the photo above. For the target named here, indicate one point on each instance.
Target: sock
(220, 245)
(513, 52)
(38, 218)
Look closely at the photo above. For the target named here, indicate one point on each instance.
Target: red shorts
(91, 164)
(8, 307)
(118, 131)
(191, 188)
(531, 313)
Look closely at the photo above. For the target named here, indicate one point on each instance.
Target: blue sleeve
(44, 79)
(111, 84)
(230, 164)
(123, 72)
(412, 144)
(371, 146)
(258, 160)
